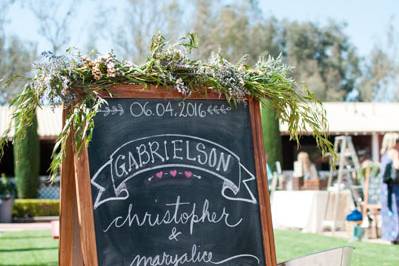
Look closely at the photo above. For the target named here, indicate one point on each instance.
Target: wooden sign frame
(77, 231)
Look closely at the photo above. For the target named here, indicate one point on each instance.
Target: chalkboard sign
(372, 186)
(374, 190)
(178, 182)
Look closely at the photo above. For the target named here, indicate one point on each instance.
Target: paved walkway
(6, 227)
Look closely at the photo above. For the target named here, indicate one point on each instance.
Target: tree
(26, 157)
(271, 135)
(16, 58)
(379, 77)
(143, 20)
(323, 57)
(235, 31)
(380, 80)
(54, 22)
(224, 31)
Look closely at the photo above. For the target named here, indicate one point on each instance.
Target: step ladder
(345, 168)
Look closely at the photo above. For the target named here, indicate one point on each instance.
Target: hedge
(24, 208)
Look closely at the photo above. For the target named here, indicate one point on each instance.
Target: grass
(291, 244)
(28, 248)
(38, 248)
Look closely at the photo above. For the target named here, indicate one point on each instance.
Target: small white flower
(181, 87)
(111, 71)
(96, 71)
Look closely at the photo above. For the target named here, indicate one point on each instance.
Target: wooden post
(375, 147)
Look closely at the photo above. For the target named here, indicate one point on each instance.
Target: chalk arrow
(114, 110)
(215, 110)
(210, 109)
(224, 109)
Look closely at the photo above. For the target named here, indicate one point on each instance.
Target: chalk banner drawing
(173, 151)
(174, 189)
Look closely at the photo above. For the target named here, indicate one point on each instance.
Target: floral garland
(76, 81)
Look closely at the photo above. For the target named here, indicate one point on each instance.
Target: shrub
(271, 135)
(26, 156)
(35, 207)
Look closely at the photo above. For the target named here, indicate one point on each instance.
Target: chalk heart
(173, 173)
(188, 174)
(159, 174)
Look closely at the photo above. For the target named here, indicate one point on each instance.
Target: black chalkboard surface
(373, 187)
(173, 183)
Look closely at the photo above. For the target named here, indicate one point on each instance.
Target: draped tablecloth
(309, 210)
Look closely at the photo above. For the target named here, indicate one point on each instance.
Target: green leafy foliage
(24, 208)
(77, 82)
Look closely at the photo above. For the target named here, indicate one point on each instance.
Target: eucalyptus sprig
(77, 82)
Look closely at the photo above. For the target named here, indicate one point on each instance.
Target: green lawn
(291, 244)
(28, 248)
(38, 248)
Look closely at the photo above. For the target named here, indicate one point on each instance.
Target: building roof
(343, 118)
(359, 118)
(49, 121)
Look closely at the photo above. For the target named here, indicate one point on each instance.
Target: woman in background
(306, 168)
(390, 187)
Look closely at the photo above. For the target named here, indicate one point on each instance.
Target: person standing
(390, 187)
(305, 167)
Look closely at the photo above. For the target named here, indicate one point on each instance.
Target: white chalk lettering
(224, 163)
(188, 152)
(132, 162)
(120, 167)
(153, 151)
(175, 215)
(142, 150)
(212, 158)
(159, 152)
(176, 149)
(201, 149)
(195, 256)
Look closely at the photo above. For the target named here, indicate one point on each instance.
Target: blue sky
(367, 21)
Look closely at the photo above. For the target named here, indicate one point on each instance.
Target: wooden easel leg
(69, 252)
(85, 208)
(264, 198)
(77, 257)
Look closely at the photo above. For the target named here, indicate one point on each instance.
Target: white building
(365, 122)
